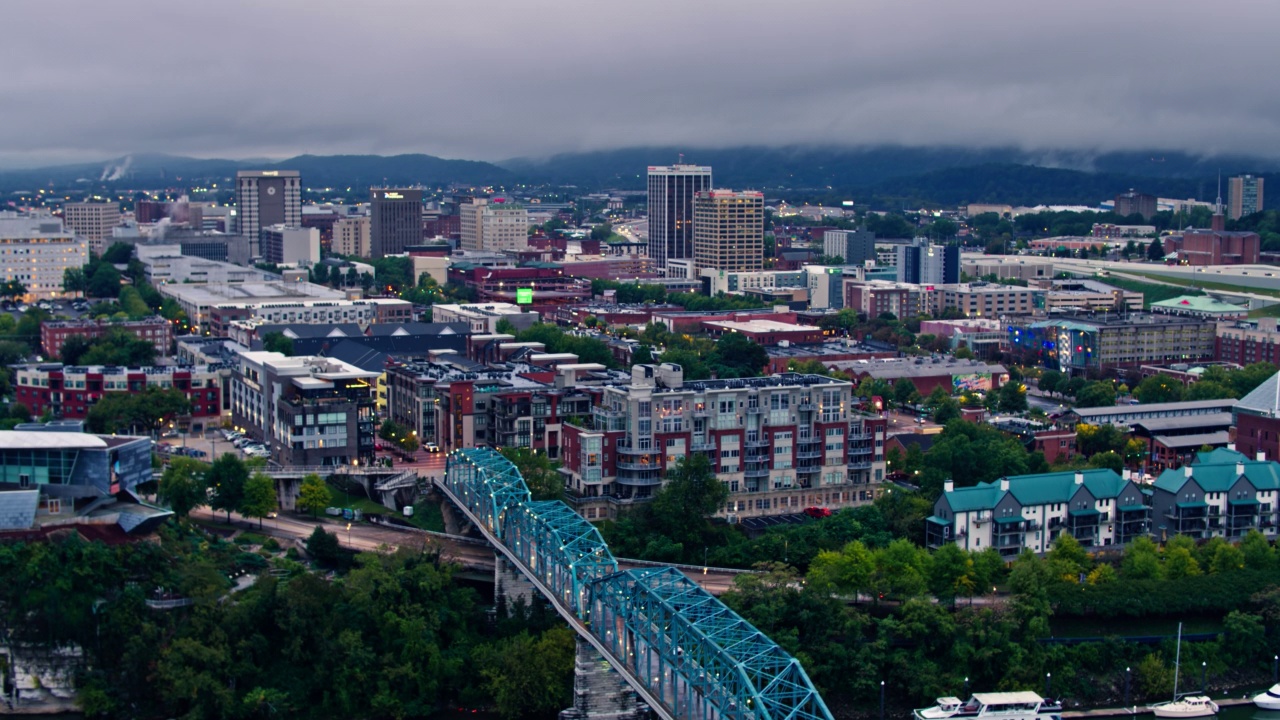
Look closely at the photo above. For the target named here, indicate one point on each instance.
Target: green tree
(905, 392)
(226, 479)
(1013, 397)
(1257, 552)
(539, 471)
(132, 304)
(902, 570)
(323, 547)
(12, 289)
(848, 571)
(1159, 389)
(259, 497)
(313, 495)
(690, 495)
(528, 676)
(1051, 381)
(1155, 251)
(1096, 394)
(74, 348)
(120, 347)
(104, 282)
(74, 281)
(742, 356)
(182, 486)
(278, 342)
(1179, 563)
(1067, 558)
(1109, 459)
(951, 574)
(118, 254)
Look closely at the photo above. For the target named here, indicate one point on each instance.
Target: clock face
(271, 190)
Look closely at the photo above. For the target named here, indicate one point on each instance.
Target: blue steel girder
(562, 549)
(719, 658)
(488, 483)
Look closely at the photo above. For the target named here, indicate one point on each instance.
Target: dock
(1142, 709)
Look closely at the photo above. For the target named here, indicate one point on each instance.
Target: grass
(1268, 311)
(1150, 291)
(248, 538)
(426, 516)
(1205, 284)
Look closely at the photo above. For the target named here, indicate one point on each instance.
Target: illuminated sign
(393, 196)
(524, 296)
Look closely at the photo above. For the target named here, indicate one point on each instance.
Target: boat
(1269, 700)
(1191, 706)
(996, 706)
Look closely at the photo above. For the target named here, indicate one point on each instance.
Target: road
(1243, 276)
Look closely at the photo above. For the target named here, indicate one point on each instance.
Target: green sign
(524, 296)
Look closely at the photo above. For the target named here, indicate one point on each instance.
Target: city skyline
(520, 80)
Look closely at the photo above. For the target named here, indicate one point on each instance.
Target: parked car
(431, 447)
(817, 512)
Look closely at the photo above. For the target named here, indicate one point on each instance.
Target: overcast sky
(492, 79)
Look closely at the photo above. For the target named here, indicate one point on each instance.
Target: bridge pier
(599, 692)
(510, 585)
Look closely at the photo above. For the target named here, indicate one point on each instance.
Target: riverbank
(1142, 709)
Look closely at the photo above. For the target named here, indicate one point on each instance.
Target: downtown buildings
(779, 444)
(1244, 196)
(671, 210)
(265, 198)
(69, 391)
(93, 221)
(395, 221)
(728, 230)
(37, 252)
(493, 226)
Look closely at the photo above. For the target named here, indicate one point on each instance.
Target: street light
(348, 533)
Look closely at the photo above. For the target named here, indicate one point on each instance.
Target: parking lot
(207, 447)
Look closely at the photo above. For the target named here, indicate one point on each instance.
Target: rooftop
(1155, 408)
(1093, 321)
(763, 326)
(1184, 422)
(1199, 304)
(31, 228)
(249, 292)
(1220, 476)
(1264, 399)
(1036, 489)
(39, 440)
(917, 367)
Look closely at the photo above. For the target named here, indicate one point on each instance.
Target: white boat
(1269, 700)
(1191, 706)
(993, 706)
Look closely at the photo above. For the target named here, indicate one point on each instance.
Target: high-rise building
(351, 236)
(671, 191)
(924, 263)
(1244, 196)
(37, 251)
(265, 198)
(493, 226)
(1136, 203)
(855, 246)
(284, 245)
(92, 221)
(395, 221)
(728, 230)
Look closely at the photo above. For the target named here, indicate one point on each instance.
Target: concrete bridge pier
(510, 585)
(599, 692)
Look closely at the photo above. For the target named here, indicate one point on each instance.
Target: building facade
(37, 252)
(491, 226)
(1076, 343)
(351, 236)
(69, 391)
(728, 230)
(1136, 203)
(156, 330)
(1245, 342)
(779, 444)
(309, 312)
(265, 198)
(310, 411)
(924, 263)
(92, 221)
(283, 245)
(395, 221)
(983, 299)
(1223, 494)
(671, 192)
(855, 246)
(483, 318)
(1244, 196)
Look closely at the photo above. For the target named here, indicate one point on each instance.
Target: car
(273, 514)
(817, 512)
(431, 447)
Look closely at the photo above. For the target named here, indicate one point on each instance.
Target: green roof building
(1223, 494)
(1200, 306)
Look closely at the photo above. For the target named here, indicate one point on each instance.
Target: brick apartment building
(1248, 341)
(780, 443)
(156, 330)
(68, 391)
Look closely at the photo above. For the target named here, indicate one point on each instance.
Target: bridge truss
(684, 652)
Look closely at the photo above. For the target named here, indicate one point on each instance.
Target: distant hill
(1027, 185)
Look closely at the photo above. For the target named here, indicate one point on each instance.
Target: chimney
(1186, 470)
(1231, 447)
(1262, 457)
(1239, 469)
(1004, 484)
(948, 486)
(1079, 477)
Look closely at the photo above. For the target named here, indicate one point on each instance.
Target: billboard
(524, 296)
(973, 382)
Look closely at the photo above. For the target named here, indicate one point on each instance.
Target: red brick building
(1248, 341)
(1215, 246)
(69, 391)
(155, 330)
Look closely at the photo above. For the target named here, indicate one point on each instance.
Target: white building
(94, 222)
(483, 317)
(166, 264)
(295, 246)
(493, 226)
(198, 299)
(37, 252)
(351, 236)
(671, 192)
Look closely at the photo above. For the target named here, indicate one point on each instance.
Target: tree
(848, 571)
(120, 347)
(118, 254)
(1257, 551)
(104, 282)
(182, 487)
(691, 494)
(1155, 251)
(1179, 563)
(1051, 381)
(1096, 394)
(528, 676)
(278, 342)
(1093, 439)
(1067, 558)
(539, 471)
(12, 351)
(947, 411)
(1013, 397)
(1110, 460)
(1159, 389)
(132, 304)
(905, 392)
(643, 355)
(741, 355)
(259, 499)
(74, 281)
(226, 479)
(13, 289)
(951, 574)
(323, 547)
(313, 495)
(902, 570)
(74, 348)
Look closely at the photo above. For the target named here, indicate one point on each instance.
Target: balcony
(756, 473)
(636, 465)
(808, 454)
(702, 444)
(859, 464)
(754, 409)
(755, 442)
(806, 406)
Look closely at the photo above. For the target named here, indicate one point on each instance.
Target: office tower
(92, 221)
(855, 246)
(395, 221)
(351, 236)
(924, 263)
(1244, 196)
(284, 245)
(493, 225)
(728, 230)
(671, 191)
(265, 198)
(1136, 203)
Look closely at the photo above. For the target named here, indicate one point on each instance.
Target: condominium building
(856, 247)
(351, 236)
(92, 221)
(395, 221)
(1007, 268)
(671, 192)
(924, 263)
(155, 330)
(1084, 295)
(983, 299)
(310, 411)
(1223, 494)
(37, 252)
(1245, 342)
(284, 245)
(1111, 341)
(1028, 512)
(363, 312)
(779, 444)
(877, 297)
(728, 230)
(1256, 418)
(1244, 196)
(493, 226)
(197, 300)
(483, 318)
(265, 198)
(69, 391)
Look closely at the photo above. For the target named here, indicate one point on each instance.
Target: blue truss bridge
(683, 651)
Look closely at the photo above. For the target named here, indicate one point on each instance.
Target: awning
(1084, 512)
(1007, 520)
(1133, 508)
(937, 520)
(1243, 501)
(1188, 505)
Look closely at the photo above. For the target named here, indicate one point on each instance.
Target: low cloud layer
(498, 79)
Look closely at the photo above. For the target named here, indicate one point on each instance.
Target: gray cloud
(499, 78)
